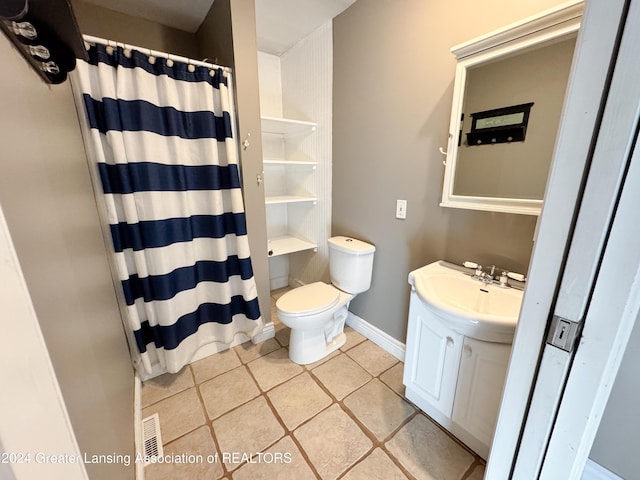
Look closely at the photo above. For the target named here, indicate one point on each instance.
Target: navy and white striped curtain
(161, 133)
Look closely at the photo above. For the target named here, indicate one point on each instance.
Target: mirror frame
(561, 21)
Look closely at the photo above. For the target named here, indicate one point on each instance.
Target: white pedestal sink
(458, 345)
(470, 307)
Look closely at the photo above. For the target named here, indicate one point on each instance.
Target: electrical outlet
(401, 209)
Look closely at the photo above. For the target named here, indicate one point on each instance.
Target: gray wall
(112, 25)
(393, 84)
(616, 443)
(46, 195)
(228, 34)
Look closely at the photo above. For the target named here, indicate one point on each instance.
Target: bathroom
(392, 87)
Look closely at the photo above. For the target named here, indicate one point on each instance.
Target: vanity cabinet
(483, 368)
(456, 380)
(432, 360)
(287, 196)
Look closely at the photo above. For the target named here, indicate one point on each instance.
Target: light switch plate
(401, 209)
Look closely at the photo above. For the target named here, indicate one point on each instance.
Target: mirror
(508, 95)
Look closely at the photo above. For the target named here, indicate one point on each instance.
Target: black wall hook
(46, 33)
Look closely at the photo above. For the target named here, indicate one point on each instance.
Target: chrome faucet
(490, 277)
(482, 275)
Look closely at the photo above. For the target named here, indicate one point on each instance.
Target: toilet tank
(350, 264)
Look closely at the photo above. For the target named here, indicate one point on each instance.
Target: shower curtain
(160, 132)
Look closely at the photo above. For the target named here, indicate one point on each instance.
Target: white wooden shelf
(286, 126)
(280, 199)
(288, 244)
(286, 163)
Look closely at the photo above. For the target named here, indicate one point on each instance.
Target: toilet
(316, 312)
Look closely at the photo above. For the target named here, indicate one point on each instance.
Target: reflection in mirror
(521, 71)
(514, 169)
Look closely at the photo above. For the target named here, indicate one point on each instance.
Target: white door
(586, 258)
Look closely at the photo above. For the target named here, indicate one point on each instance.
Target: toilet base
(307, 347)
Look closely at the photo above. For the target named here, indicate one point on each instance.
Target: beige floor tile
(353, 338)
(249, 351)
(377, 466)
(246, 430)
(283, 461)
(393, 378)
(214, 365)
(333, 442)
(427, 452)
(311, 366)
(179, 414)
(341, 376)
(478, 473)
(227, 391)
(298, 400)
(373, 358)
(273, 369)
(165, 385)
(378, 408)
(195, 448)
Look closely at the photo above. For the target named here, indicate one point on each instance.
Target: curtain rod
(155, 53)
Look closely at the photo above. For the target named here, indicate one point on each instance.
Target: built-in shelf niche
(286, 196)
(287, 244)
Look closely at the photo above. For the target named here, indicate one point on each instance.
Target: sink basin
(466, 305)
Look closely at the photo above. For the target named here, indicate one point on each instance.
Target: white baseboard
(268, 331)
(595, 471)
(377, 336)
(278, 282)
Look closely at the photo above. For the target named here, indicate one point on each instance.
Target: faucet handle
(516, 276)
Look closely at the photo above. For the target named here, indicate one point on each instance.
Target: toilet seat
(308, 299)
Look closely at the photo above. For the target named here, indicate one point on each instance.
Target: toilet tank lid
(351, 245)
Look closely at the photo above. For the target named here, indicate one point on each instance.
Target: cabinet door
(432, 359)
(483, 368)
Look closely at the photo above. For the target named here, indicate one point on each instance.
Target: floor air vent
(151, 440)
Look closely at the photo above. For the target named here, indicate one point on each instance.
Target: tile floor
(250, 413)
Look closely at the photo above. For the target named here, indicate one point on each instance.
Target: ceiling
(280, 24)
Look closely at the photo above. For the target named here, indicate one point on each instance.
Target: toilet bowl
(316, 313)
